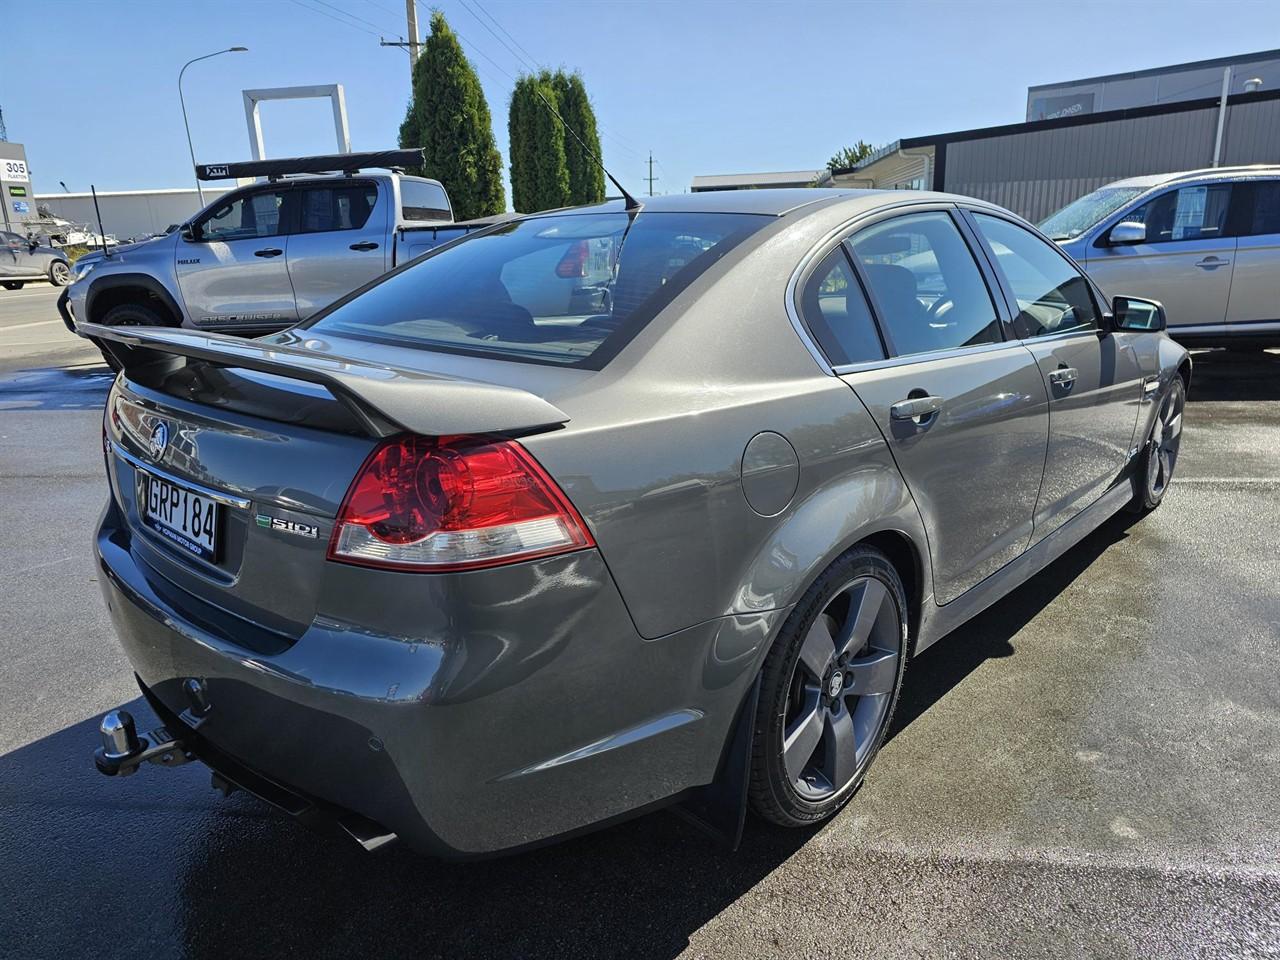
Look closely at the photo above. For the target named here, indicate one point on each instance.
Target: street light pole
(182, 101)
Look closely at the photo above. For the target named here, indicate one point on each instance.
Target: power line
(475, 16)
(503, 29)
(325, 3)
(345, 23)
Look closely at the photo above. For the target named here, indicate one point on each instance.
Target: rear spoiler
(386, 400)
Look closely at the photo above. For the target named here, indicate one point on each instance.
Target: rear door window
(1259, 207)
(927, 290)
(564, 289)
(343, 207)
(836, 313)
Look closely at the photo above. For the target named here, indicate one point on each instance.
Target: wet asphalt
(1090, 768)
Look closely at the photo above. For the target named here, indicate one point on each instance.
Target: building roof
(731, 181)
(1164, 71)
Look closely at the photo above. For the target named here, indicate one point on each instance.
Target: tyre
(135, 315)
(59, 273)
(1155, 468)
(13, 284)
(829, 687)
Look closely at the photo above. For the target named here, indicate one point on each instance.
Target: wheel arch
(872, 506)
(115, 289)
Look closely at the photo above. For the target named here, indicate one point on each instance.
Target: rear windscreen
(566, 289)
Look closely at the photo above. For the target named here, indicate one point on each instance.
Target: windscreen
(566, 289)
(1079, 215)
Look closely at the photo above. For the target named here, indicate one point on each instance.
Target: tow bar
(123, 751)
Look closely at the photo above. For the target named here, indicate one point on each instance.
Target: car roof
(1205, 173)
(769, 202)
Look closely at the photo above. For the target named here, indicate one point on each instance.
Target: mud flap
(720, 808)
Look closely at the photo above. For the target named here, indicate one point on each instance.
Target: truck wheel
(134, 315)
(13, 285)
(59, 273)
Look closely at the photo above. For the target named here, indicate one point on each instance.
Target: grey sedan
(476, 559)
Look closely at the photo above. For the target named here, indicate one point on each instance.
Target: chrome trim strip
(239, 503)
(926, 357)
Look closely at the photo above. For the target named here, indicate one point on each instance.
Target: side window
(1263, 197)
(926, 287)
(420, 200)
(245, 217)
(1188, 213)
(345, 207)
(836, 313)
(1053, 297)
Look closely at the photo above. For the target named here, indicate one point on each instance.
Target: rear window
(345, 207)
(420, 200)
(568, 289)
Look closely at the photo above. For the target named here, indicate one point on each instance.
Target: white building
(128, 213)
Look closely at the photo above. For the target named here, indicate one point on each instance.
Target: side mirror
(1126, 233)
(190, 232)
(33, 244)
(1137, 316)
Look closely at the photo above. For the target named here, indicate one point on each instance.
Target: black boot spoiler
(386, 400)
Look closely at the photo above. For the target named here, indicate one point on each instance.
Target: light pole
(190, 147)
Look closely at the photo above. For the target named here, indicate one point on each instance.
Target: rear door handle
(1064, 375)
(914, 407)
(268, 252)
(364, 245)
(1211, 262)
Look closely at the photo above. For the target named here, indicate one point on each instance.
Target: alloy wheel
(1166, 435)
(61, 273)
(841, 689)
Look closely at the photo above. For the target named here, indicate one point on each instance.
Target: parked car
(265, 256)
(1205, 243)
(23, 260)
(438, 565)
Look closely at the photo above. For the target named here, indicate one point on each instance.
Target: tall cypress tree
(449, 117)
(586, 178)
(539, 169)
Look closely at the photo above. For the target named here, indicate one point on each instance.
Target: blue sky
(710, 87)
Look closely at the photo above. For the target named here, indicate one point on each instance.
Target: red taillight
(455, 504)
(574, 262)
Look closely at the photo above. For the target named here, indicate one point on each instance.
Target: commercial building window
(837, 315)
(926, 287)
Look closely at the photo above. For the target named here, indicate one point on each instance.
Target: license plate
(182, 516)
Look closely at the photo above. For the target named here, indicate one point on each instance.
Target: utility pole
(650, 177)
(412, 44)
(4, 134)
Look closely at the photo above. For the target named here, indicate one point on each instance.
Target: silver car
(475, 567)
(1204, 243)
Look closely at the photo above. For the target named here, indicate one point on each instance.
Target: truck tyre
(135, 315)
(13, 285)
(59, 273)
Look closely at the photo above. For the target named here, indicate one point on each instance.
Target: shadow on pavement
(56, 388)
(1221, 375)
(106, 866)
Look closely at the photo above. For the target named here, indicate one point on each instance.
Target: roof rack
(347, 163)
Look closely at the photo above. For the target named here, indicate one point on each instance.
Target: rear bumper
(531, 708)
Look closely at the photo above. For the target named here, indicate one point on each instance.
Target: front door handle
(268, 252)
(914, 407)
(364, 245)
(1064, 376)
(1211, 263)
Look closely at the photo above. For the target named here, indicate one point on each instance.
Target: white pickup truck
(265, 256)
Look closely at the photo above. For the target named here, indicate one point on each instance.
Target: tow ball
(123, 751)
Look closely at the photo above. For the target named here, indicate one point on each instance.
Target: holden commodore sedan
(474, 563)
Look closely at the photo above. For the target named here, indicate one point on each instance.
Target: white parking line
(23, 326)
(27, 296)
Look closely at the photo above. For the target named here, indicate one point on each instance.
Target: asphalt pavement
(1091, 768)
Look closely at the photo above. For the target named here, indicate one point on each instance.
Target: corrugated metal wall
(1037, 172)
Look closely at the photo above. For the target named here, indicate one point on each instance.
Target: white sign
(14, 170)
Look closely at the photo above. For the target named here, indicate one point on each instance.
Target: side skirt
(942, 620)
